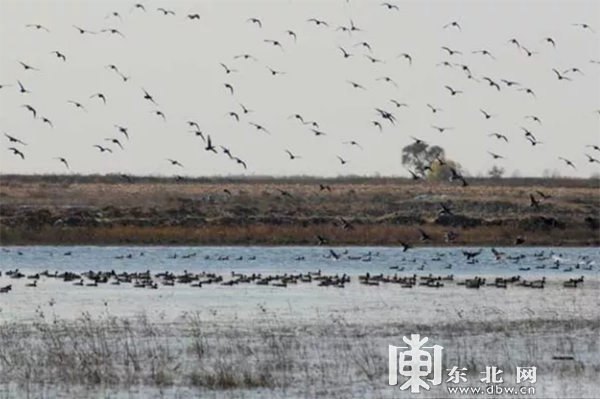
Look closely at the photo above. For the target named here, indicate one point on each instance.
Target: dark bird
(38, 27)
(417, 141)
(209, 145)
(390, 6)
(317, 132)
(492, 83)
(234, 115)
(100, 96)
(499, 136)
(16, 151)
(387, 79)
(484, 52)
(175, 162)
(533, 141)
(413, 175)
(113, 31)
(84, 31)
(398, 104)
(59, 55)
(317, 22)
(453, 24)
(434, 109)
(226, 151)
(528, 91)
(3, 86)
(77, 105)
(485, 114)
(495, 156)
(292, 156)
(323, 187)
(193, 16)
(346, 225)
(528, 52)
(123, 130)
(165, 11)
(585, 27)
(274, 43)
(344, 52)
(148, 97)
(297, 117)
(424, 236)
(245, 56)
(510, 83)
(27, 67)
(386, 115)
(445, 64)
(284, 193)
(595, 147)
(115, 141)
(441, 129)
(543, 195)
(591, 159)
(450, 51)
(14, 139)
(139, 6)
(259, 127)
(229, 87)
(128, 178)
(550, 40)
(534, 118)
(559, 76)
(64, 161)
(569, 163)
(452, 91)
(519, 240)
(353, 143)
(515, 42)
(255, 21)
(30, 108)
(274, 72)
(227, 70)
(405, 246)
(406, 56)
(240, 162)
(245, 110)
(572, 70)
(342, 160)
(356, 85)
(365, 45)
(102, 149)
(48, 121)
(292, 34)
(377, 124)
(533, 202)
(159, 113)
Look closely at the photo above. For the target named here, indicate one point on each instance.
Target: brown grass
(103, 210)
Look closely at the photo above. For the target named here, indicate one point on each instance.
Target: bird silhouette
(245, 110)
(228, 70)
(18, 152)
(100, 96)
(344, 52)
(255, 21)
(47, 121)
(378, 125)
(209, 145)
(148, 97)
(591, 159)
(123, 130)
(559, 76)
(229, 87)
(234, 115)
(292, 156)
(317, 22)
(353, 143)
(160, 114)
(365, 45)
(77, 105)
(274, 72)
(595, 147)
(60, 55)
(499, 136)
(30, 108)
(38, 27)
(175, 162)
(534, 118)
(407, 57)
(452, 24)
(452, 91)
(585, 27)
(84, 31)
(14, 139)
(495, 156)
(113, 31)
(115, 141)
(102, 149)
(342, 160)
(450, 51)
(484, 52)
(64, 161)
(485, 114)
(492, 83)
(259, 127)
(274, 43)
(165, 11)
(28, 67)
(441, 129)
(390, 6)
(433, 109)
(387, 79)
(356, 85)
(193, 16)
(549, 40)
(569, 163)
(292, 34)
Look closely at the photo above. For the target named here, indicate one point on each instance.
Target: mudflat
(117, 210)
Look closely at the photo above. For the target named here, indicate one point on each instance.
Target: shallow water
(356, 302)
(282, 260)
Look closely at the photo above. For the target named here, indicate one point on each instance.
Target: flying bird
(485, 114)
(292, 34)
(388, 80)
(499, 136)
(28, 67)
(569, 163)
(37, 27)
(16, 151)
(229, 87)
(30, 108)
(434, 109)
(123, 130)
(64, 161)
(14, 139)
(148, 97)
(259, 127)
(77, 105)
(113, 31)
(193, 16)
(165, 11)
(365, 45)
(234, 115)
(342, 160)
(534, 118)
(441, 129)
(528, 91)
(59, 55)
(484, 52)
(255, 21)
(585, 27)
(377, 124)
(159, 113)
(549, 40)
(102, 149)
(274, 43)
(453, 92)
(228, 70)
(492, 83)
(407, 57)
(450, 51)
(292, 156)
(495, 156)
(84, 31)
(318, 22)
(344, 52)
(353, 143)
(453, 24)
(559, 76)
(209, 145)
(115, 141)
(592, 159)
(175, 162)
(390, 6)
(48, 121)
(100, 96)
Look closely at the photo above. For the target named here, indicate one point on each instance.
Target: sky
(177, 60)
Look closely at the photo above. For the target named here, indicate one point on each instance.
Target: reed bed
(297, 359)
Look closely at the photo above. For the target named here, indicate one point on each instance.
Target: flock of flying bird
(360, 48)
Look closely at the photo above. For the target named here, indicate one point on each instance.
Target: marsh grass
(108, 352)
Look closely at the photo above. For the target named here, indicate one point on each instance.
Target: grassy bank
(304, 359)
(73, 210)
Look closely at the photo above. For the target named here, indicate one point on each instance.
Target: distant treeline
(120, 179)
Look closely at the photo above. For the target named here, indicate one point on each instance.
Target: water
(273, 260)
(306, 301)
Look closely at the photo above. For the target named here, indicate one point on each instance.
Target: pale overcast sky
(178, 61)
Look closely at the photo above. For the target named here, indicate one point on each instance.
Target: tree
(419, 155)
(496, 172)
(443, 172)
